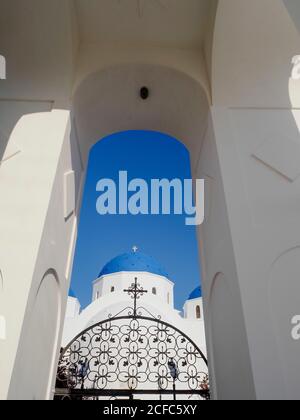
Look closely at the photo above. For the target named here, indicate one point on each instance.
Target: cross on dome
(135, 249)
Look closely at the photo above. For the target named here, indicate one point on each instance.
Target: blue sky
(143, 155)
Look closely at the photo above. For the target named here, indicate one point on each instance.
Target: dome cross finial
(135, 249)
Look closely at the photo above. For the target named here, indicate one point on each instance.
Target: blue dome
(197, 293)
(133, 261)
(72, 294)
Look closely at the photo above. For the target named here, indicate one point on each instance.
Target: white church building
(112, 299)
(109, 298)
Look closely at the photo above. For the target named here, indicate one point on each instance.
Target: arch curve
(108, 101)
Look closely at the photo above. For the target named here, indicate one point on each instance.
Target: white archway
(243, 136)
(108, 101)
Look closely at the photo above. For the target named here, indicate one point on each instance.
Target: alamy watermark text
(160, 196)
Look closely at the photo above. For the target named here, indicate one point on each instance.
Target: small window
(168, 298)
(97, 295)
(154, 291)
(112, 289)
(198, 312)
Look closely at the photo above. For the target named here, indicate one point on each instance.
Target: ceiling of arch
(150, 23)
(41, 39)
(108, 102)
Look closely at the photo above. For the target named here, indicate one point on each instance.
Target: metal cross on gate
(135, 291)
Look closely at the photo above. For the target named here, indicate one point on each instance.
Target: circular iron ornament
(131, 354)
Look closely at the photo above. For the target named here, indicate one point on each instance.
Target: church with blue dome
(109, 297)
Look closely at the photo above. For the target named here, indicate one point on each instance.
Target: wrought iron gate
(132, 354)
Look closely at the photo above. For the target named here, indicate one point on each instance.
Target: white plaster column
(252, 252)
(35, 240)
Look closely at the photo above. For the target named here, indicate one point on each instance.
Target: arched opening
(158, 262)
(182, 118)
(198, 312)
